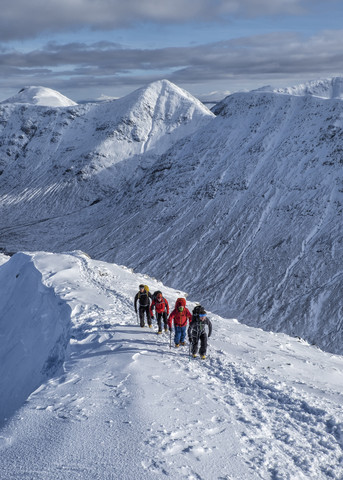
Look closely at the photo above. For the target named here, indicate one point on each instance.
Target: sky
(91, 49)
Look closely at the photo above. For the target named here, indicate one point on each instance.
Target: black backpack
(198, 310)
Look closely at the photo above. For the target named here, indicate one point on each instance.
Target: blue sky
(90, 48)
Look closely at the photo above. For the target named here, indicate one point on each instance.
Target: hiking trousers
(144, 311)
(203, 343)
(159, 317)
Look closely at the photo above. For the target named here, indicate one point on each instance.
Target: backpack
(198, 309)
(146, 291)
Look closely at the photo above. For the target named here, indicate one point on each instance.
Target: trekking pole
(137, 317)
(170, 338)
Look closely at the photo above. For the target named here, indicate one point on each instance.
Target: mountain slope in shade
(41, 96)
(243, 211)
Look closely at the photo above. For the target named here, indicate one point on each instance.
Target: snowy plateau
(238, 208)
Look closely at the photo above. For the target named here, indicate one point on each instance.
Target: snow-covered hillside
(243, 209)
(125, 405)
(40, 96)
(324, 88)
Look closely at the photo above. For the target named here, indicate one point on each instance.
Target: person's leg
(159, 322)
(183, 334)
(165, 317)
(141, 316)
(177, 335)
(148, 317)
(203, 344)
(195, 341)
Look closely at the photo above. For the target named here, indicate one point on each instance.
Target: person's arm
(209, 323)
(152, 304)
(170, 319)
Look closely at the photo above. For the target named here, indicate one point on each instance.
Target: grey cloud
(76, 65)
(24, 19)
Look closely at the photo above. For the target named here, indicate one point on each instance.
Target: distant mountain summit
(324, 88)
(40, 96)
(327, 88)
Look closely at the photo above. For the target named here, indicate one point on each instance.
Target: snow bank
(34, 332)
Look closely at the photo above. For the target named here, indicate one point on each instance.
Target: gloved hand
(152, 317)
(170, 329)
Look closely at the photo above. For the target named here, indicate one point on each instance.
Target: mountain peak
(42, 96)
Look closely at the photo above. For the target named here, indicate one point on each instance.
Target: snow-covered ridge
(41, 96)
(126, 405)
(324, 88)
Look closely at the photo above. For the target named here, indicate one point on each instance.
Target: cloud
(27, 19)
(77, 66)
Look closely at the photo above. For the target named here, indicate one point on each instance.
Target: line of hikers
(179, 316)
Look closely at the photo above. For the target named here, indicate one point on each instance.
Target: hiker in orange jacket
(180, 315)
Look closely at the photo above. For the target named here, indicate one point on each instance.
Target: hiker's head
(159, 296)
(180, 308)
(141, 287)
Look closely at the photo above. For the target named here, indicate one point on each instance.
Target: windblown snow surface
(124, 405)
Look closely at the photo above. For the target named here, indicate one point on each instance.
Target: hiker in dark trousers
(143, 297)
(162, 310)
(197, 331)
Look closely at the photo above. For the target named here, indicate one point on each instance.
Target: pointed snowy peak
(165, 97)
(41, 96)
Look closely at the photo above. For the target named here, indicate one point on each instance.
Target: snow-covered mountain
(242, 210)
(40, 96)
(125, 405)
(324, 88)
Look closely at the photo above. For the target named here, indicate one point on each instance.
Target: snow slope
(34, 325)
(262, 406)
(243, 209)
(40, 96)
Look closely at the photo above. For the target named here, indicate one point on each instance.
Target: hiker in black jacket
(143, 296)
(197, 331)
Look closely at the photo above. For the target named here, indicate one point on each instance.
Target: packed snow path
(127, 406)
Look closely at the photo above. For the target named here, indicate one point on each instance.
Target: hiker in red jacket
(180, 315)
(162, 310)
